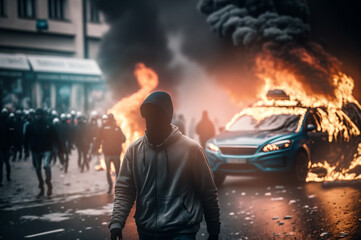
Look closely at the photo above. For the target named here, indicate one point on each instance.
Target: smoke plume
(277, 32)
(135, 35)
(274, 30)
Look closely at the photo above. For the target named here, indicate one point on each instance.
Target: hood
(162, 100)
(250, 138)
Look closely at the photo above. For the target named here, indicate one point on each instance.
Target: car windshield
(282, 122)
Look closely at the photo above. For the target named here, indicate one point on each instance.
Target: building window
(26, 8)
(56, 9)
(94, 13)
(2, 8)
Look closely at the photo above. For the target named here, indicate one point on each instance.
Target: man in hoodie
(169, 176)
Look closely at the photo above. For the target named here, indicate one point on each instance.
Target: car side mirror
(221, 129)
(310, 128)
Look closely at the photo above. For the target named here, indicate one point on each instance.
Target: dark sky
(336, 26)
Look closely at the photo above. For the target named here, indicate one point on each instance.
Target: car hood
(250, 138)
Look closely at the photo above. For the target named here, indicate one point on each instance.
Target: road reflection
(269, 208)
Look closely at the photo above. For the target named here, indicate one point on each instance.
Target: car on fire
(274, 139)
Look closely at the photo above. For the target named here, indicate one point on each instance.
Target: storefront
(57, 82)
(14, 91)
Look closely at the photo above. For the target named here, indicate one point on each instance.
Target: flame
(101, 164)
(126, 111)
(332, 175)
(329, 112)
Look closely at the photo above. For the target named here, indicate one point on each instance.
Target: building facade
(50, 33)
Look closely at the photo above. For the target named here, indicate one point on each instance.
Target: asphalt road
(251, 208)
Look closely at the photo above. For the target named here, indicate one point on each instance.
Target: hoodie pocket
(145, 213)
(173, 212)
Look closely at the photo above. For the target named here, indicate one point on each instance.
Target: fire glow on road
(45, 233)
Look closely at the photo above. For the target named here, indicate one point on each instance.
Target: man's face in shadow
(156, 119)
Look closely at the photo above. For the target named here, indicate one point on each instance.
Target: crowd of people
(47, 137)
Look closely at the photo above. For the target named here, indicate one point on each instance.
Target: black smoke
(139, 31)
(279, 30)
(136, 35)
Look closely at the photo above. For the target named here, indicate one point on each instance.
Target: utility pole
(86, 50)
(85, 30)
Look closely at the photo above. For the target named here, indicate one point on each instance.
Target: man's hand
(213, 237)
(116, 234)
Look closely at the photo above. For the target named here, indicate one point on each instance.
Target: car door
(318, 140)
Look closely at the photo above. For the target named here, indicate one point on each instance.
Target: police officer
(111, 137)
(6, 139)
(64, 133)
(82, 141)
(94, 131)
(55, 153)
(18, 138)
(42, 138)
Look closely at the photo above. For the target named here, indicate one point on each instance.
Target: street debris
(291, 202)
(277, 199)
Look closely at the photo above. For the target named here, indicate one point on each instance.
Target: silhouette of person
(82, 142)
(180, 121)
(205, 129)
(111, 138)
(6, 141)
(43, 137)
(169, 176)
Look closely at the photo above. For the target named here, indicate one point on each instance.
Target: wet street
(251, 208)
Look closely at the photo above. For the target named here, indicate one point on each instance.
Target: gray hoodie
(173, 185)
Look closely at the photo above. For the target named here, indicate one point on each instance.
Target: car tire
(300, 168)
(219, 178)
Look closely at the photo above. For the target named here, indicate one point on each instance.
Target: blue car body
(241, 153)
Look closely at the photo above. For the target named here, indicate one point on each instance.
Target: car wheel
(219, 178)
(300, 168)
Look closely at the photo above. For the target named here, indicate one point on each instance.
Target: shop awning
(13, 65)
(46, 68)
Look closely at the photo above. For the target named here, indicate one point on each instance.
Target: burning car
(281, 137)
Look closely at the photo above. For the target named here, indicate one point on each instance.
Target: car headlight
(212, 147)
(277, 146)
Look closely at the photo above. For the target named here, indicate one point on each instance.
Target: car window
(274, 122)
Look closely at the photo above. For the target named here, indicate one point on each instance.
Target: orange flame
(126, 111)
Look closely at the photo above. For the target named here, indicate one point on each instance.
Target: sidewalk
(23, 188)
